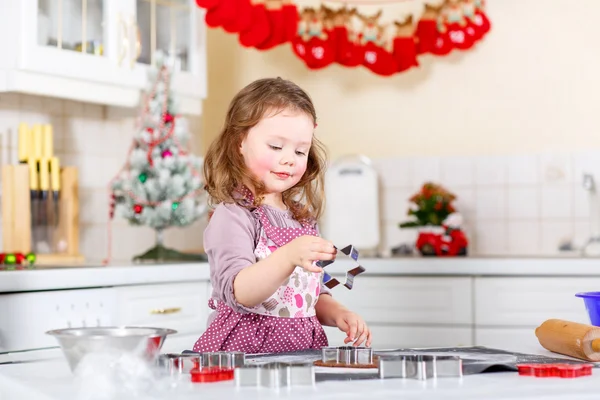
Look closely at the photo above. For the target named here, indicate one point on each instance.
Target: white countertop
(100, 276)
(135, 274)
(51, 379)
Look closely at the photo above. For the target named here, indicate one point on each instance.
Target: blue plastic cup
(592, 305)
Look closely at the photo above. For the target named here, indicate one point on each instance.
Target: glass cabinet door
(166, 25)
(75, 25)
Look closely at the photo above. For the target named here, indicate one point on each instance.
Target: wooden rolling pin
(570, 338)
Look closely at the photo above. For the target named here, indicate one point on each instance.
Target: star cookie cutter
(275, 375)
(330, 281)
(420, 367)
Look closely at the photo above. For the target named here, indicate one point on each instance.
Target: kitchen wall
(95, 139)
(507, 126)
(531, 85)
(512, 205)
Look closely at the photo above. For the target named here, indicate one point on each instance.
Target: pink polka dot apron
(286, 321)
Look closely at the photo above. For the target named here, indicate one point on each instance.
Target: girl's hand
(356, 329)
(305, 250)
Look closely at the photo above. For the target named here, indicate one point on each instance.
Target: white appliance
(352, 204)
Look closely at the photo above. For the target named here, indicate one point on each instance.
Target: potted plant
(439, 224)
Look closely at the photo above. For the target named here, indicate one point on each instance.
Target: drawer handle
(164, 311)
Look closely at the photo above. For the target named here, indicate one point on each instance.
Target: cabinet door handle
(164, 311)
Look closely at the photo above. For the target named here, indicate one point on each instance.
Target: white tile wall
(95, 139)
(512, 205)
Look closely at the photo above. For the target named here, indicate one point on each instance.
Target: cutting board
(352, 204)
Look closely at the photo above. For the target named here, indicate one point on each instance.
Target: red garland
(322, 36)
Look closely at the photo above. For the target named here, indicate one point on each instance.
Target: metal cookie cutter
(420, 367)
(349, 355)
(331, 282)
(222, 359)
(178, 364)
(275, 375)
(183, 363)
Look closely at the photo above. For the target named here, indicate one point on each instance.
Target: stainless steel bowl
(139, 341)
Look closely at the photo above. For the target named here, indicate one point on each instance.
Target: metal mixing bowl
(139, 341)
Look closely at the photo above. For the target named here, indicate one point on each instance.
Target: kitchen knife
(35, 153)
(55, 186)
(52, 197)
(24, 144)
(45, 244)
(34, 198)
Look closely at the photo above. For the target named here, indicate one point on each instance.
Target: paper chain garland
(323, 36)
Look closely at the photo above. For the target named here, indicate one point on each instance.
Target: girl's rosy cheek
(262, 164)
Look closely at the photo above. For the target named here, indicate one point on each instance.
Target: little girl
(264, 173)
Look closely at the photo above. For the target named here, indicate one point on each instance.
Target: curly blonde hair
(224, 166)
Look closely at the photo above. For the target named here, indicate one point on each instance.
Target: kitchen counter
(51, 379)
(133, 274)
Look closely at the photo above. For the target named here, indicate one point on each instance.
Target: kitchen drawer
(180, 306)
(527, 302)
(394, 337)
(25, 317)
(409, 300)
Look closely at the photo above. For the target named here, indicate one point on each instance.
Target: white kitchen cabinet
(179, 306)
(99, 50)
(25, 317)
(399, 336)
(529, 301)
(409, 300)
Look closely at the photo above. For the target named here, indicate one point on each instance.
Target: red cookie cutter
(211, 374)
(555, 370)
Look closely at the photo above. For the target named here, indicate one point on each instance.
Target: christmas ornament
(137, 209)
(260, 29)
(168, 118)
(481, 20)
(222, 13)
(242, 19)
(457, 26)
(19, 258)
(347, 51)
(31, 258)
(376, 57)
(174, 206)
(166, 153)
(142, 177)
(313, 44)
(10, 259)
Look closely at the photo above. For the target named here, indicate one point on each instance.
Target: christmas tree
(160, 184)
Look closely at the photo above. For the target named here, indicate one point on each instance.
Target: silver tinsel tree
(160, 184)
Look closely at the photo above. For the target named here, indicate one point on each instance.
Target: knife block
(16, 215)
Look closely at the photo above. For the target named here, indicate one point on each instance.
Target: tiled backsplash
(512, 205)
(95, 139)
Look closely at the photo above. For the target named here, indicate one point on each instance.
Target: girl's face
(276, 149)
